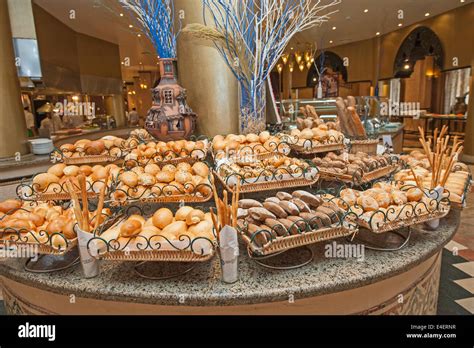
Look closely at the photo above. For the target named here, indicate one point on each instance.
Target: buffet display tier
(328, 285)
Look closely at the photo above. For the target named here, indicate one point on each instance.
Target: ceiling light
(406, 66)
(463, 0)
(400, 24)
(139, 35)
(427, 14)
(333, 28)
(291, 48)
(121, 15)
(330, 41)
(377, 33)
(130, 26)
(366, 10)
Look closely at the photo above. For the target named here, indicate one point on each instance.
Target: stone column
(211, 87)
(12, 119)
(468, 155)
(115, 107)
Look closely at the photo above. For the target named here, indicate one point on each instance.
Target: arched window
(421, 42)
(329, 60)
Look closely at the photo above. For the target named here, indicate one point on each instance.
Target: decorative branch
(251, 36)
(156, 19)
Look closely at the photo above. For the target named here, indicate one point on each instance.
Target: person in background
(134, 118)
(52, 122)
(30, 122)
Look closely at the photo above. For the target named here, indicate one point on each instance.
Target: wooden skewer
(76, 204)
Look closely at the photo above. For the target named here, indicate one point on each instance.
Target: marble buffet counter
(402, 282)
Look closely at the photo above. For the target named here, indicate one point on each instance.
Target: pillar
(468, 155)
(211, 87)
(114, 107)
(12, 119)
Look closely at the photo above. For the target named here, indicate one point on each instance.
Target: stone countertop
(203, 287)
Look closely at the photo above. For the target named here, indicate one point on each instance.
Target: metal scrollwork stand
(258, 259)
(384, 239)
(47, 263)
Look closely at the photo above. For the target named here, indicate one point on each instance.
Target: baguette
(359, 127)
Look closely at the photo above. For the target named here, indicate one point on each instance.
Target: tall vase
(252, 108)
(170, 117)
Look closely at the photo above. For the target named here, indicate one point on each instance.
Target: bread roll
(130, 228)
(165, 176)
(10, 205)
(95, 147)
(183, 212)
(201, 169)
(162, 218)
(129, 178)
(71, 171)
(43, 180)
(176, 228)
(57, 169)
(86, 170)
(202, 229)
(194, 217)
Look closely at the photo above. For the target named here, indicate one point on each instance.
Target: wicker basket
(400, 223)
(368, 146)
(157, 255)
(269, 185)
(301, 150)
(187, 198)
(41, 248)
(89, 159)
(285, 243)
(367, 177)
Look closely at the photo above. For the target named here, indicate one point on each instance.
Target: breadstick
(76, 204)
(85, 203)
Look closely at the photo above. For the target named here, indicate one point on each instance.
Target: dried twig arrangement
(441, 157)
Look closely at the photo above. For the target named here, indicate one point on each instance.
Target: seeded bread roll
(273, 199)
(300, 222)
(256, 235)
(249, 203)
(290, 226)
(310, 199)
(276, 226)
(284, 196)
(260, 214)
(302, 206)
(276, 209)
(289, 207)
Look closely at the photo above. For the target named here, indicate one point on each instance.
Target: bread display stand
(154, 254)
(45, 253)
(298, 242)
(248, 153)
(54, 192)
(308, 147)
(268, 180)
(399, 222)
(59, 156)
(368, 146)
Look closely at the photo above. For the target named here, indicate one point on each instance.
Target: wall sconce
(291, 66)
(301, 66)
(285, 57)
(279, 68)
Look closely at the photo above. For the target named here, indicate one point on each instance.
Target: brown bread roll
(300, 222)
(260, 214)
(289, 207)
(284, 196)
(302, 206)
(290, 226)
(10, 205)
(310, 199)
(276, 226)
(275, 209)
(317, 220)
(249, 203)
(256, 235)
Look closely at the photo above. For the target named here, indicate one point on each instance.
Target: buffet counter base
(402, 282)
